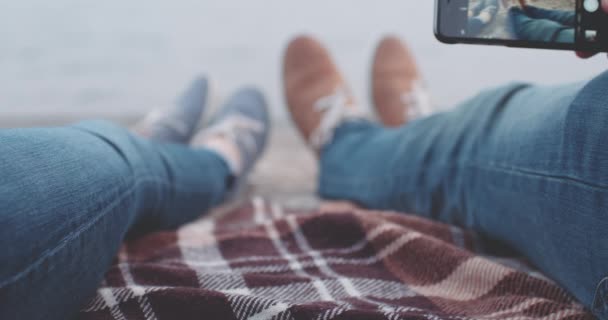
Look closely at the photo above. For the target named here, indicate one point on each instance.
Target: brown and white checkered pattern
(262, 261)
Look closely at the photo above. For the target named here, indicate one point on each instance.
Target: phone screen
(569, 24)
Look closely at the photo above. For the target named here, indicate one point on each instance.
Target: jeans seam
(74, 235)
(570, 180)
(488, 167)
(70, 237)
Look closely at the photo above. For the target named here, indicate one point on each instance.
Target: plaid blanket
(262, 261)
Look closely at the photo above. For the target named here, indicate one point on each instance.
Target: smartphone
(580, 25)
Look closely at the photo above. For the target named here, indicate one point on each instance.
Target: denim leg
(527, 28)
(564, 17)
(69, 196)
(524, 165)
(475, 26)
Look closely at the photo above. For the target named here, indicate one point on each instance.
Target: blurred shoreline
(117, 59)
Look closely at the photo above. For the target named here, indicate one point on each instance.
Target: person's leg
(524, 27)
(565, 17)
(70, 196)
(475, 26)
(522, 165)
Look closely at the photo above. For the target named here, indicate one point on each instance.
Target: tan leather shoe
(397, 89)
(316, 93)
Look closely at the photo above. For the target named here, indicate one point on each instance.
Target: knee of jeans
(125, 146)
(53, 182)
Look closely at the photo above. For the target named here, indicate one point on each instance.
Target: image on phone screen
(571, 23)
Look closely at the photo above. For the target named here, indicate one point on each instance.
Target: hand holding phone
(580, 25)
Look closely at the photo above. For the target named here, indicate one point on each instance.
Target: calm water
(108, 58)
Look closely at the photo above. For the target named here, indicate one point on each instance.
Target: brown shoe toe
(309, 75)
(394, 74)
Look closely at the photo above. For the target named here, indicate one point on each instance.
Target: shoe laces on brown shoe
(316, 93)
(399, 94)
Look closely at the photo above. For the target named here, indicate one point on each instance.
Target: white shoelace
(335, 109)
(238, 128)
(418, 101)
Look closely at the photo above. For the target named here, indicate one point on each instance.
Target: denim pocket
(600, 302)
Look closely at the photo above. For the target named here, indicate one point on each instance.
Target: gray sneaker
(178, 123)
(245, 121)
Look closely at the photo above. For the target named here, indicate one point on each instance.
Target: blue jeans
(68, 198)
(537, 24)
(524, 165)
